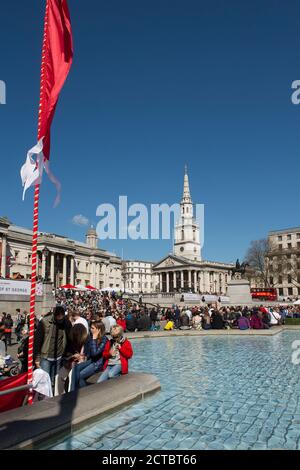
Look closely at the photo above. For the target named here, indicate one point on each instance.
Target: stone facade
(138, 277)
(283, 261)
(61, 260)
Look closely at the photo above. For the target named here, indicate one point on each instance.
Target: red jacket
(126, 353)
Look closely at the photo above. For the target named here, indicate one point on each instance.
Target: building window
(298, 235)
(289, 245)
(280, 247)
(280, 291)
(280, 279)
(271, 280)
(280, 238)
(289, 237)
(290, 291)
(298, 244)
(182, 234)
(289, 278)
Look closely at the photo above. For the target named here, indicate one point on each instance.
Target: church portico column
(181, 279)
(206, 282)
(175, 280)
(160, 282)
(189, 279)
(195, 281)
(168, 281)
(201, 281)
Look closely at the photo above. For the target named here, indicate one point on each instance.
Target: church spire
(186, 198)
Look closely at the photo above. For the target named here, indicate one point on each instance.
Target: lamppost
(124, 276)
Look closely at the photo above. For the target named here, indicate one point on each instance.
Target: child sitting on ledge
(116, 354)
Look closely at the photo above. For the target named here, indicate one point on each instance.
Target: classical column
(160, 282)
(201, 284)
(52, 267)
(174, 281)
(206, 281)
(64, 269)
(168, 281)
(72, 271)
(3, 257)
(43, 265)
(195, 281)
(182, 279)
(190, 279)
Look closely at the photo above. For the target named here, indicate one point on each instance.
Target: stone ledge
(26, 426)
(234, 332)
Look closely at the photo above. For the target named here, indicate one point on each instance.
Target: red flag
(57, 56)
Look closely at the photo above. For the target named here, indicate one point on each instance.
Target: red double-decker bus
(264, 293)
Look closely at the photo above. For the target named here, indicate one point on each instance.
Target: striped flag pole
(36, 218)
(57, 57)
(33, 288)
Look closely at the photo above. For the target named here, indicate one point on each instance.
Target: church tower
(187, 232)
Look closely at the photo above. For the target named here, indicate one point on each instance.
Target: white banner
(10, 287)
(215, 298)
(189, 296)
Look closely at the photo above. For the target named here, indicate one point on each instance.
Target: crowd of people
(84, 334)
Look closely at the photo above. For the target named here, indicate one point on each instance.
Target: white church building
(184, 270)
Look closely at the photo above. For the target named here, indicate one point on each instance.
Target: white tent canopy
(80, 287)
(297, 302)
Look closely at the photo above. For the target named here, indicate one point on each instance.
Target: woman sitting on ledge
(116, 354)
(85, 369)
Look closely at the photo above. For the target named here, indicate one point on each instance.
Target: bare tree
(257, 257)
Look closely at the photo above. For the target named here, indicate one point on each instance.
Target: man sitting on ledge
(116, 354)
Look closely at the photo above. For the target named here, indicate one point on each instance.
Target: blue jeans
(81, 372)
(110, 372)
(52, 367)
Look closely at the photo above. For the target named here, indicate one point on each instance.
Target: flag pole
(36, 223)
(33, 288)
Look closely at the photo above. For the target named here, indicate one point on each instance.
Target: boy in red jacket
(116, 354)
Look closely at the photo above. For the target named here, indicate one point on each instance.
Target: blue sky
(154, 85)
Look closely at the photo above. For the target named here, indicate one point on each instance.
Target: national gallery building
(60, 259)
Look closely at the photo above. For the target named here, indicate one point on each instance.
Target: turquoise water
(219, 392)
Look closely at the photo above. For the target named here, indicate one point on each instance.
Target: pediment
(171, 262)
